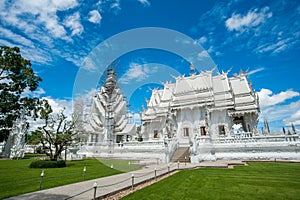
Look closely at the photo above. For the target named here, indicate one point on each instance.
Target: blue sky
(262, 37)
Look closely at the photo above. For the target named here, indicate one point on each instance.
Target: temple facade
(198, 117)
(201, 105)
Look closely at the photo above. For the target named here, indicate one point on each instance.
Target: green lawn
(121, 165)
(16, 177)
(256, 181)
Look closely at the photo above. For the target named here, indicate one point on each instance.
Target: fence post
(178, 164)
(132, 181)
(95, 189)
(168, 168)
(41, 180)
(155, 173)
(84, 172)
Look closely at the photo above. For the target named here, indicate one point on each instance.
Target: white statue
(16, 138)
(237, 129)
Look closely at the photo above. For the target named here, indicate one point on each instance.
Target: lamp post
(84, 172)
(95, 189)
(41, 180)
(132, 181)
(184, 160)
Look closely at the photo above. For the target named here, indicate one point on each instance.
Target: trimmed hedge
(47, 164)
(61, 163)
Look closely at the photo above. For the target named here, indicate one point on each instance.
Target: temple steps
(182, 154)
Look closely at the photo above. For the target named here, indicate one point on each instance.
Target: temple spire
(192, 69)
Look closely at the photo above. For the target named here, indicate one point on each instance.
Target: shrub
(47, 164)
(61, 163)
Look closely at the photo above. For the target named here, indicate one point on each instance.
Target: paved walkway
(108, 185)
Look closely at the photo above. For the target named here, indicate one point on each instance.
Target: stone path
(116, 183)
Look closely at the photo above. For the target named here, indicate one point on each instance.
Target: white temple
(108, 122)
(199, 117)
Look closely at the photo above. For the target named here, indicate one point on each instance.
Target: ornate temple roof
(109, 109)
(203, 90)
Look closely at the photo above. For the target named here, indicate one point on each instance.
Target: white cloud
(95, 17)
(203, 54)
(36, 27)
(33, 16)
(286, 114)
(144, 2)
(37, 93)
(253, 18)
(89, 64)
(57, 106)
(275, 108)
(202, 40)
(116, 5)
(295, 117)
(6, 43)
(267, 98)
(279, 46)
(64, 4)
(73, 22)
(5, 33)
(136, 72)
(255, 71)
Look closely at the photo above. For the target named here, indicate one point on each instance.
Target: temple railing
(249, 138)
(171, 145)
(133, 144)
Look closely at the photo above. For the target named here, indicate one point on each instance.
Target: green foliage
(17, 178)
(34, 138)
(47, 164)
(61, 163)
(256, 181)
(57, 131)
(16, 75)
(43, 164)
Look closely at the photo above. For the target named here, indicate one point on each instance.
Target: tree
(57, 132)
(33, 139)
(16, 77)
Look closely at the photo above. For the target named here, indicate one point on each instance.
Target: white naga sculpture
(16, 139)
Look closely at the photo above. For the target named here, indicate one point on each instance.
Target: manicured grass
(256, 181)
(17, 178)
(121, 165)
